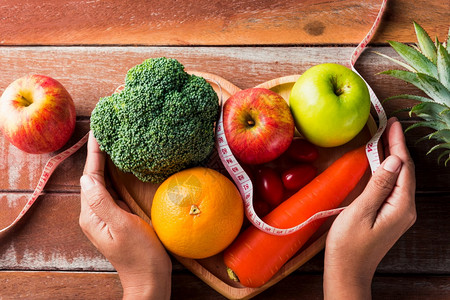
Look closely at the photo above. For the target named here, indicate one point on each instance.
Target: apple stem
(338, 92)
(25, 101)
(251, 123)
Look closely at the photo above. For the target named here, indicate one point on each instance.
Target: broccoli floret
(160, 123)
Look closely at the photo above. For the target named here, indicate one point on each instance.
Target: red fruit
(37, 114)
(302, 151)
(298, 176)
(258, 125)
(261, 207)
(268, 184)
(248, 170)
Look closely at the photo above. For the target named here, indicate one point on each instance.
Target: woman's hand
(365, 231)
(127, 241)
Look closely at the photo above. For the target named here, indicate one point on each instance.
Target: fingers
(95, 161)
(378, 188)
(99, 200)
(396, 143)
(385, 136)
(397, 146)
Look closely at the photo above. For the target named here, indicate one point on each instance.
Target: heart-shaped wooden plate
(138, 195)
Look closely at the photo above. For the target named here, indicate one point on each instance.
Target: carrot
(255, 256)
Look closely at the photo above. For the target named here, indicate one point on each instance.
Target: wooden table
(89, 45)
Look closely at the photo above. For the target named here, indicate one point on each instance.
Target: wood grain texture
(212, 270)
(86, 285)
(192, 22)
(92, 72)
(58, 285)
(244, 41)
(49, 238)
(21, 171)
(89, 73)
(428, 237)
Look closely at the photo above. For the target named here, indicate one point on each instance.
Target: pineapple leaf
(415, 59)
(446, 161)
(436, 125)
(448, 41)
(403, 75)
(425, 43)
(441, 135)
(416, 46)
(425, 137)
(428, 110)
(445, 115)
(429, 85)
(446, 152)
(443, 66)
(399, 62)
(397, 111)
(410, 97)
(439, 146)
(433, 88)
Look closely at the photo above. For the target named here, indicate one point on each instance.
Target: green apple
(330, 104)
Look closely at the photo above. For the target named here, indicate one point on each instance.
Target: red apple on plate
(258, 125)
(37, 114)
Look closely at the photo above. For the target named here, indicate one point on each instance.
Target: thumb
(379, 186)
(98, 199)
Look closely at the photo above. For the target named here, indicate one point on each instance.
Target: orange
(197, 212)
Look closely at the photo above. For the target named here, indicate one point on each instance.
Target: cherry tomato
(302, 151)
(268, 184)
(247, 169)
(298, 176)
(261, 207)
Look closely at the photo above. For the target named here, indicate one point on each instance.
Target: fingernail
(87, 182)
(392, 164)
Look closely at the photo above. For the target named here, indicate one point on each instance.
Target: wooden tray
(212, 271)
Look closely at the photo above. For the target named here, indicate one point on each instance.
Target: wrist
(342, 282)
(155, 285)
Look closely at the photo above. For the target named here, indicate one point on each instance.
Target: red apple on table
(258, 125)
(37, 114)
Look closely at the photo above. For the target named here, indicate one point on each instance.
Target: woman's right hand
(365, 231)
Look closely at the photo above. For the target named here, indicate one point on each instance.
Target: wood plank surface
(89, 46)
(98, 71)
(89, 73)
(21, 171)
(233, 22)
(87, 285)
(49, 238)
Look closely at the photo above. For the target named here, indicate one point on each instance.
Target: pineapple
(428, 68)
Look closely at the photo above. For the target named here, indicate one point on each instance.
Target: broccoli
(161, 122)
